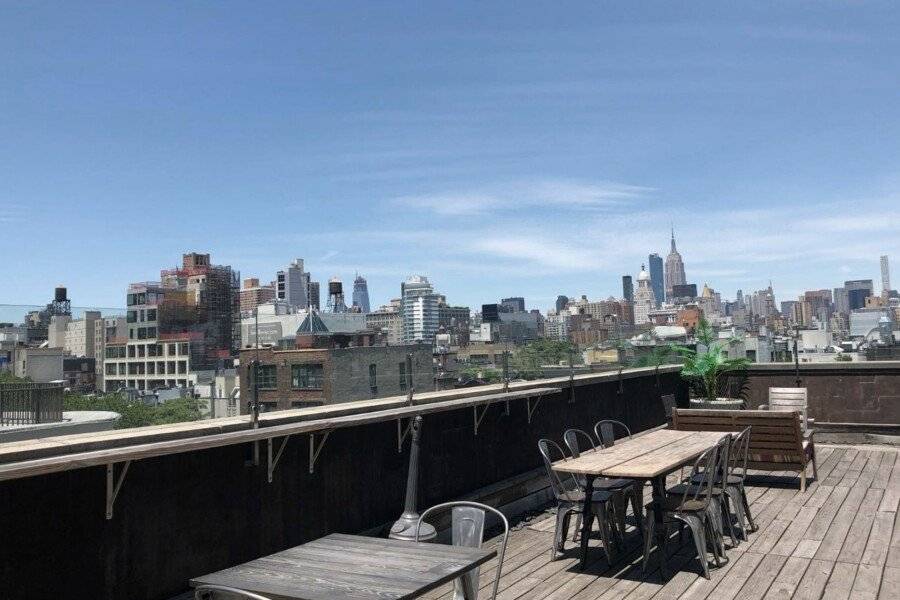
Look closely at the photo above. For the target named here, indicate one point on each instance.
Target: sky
(501, 149)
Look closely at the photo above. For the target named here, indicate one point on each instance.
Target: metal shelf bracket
(314, 449)
(273, 460)
(479, 418)
(532, 407)
(113, 485)
(402, 433)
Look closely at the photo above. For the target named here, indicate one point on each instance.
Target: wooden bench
(777, 441)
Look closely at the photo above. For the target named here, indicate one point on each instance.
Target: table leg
(659, 496)
(587, 516)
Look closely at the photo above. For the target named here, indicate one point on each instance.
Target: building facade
(361, 294)
(302, 377)
(292, 285)
(253, 294)
(657, 277)
(419, 310)
(674, 269)
(644, 299)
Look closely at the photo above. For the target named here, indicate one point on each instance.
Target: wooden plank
(867, 582)
(67, 462)
(893, 557)
(858, 535)
(814, 580)
(595, 462)
(837, 531)
(666, 459)
(342, 566)
(788, 579)
(879, 539)
(890, 584)
(840, 583)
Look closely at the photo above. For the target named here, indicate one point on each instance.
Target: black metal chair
(668, 402)
(622, 490)
(467, 529)
(570, 500)
(691, 508)
(221, 592)
(719, 499)
(735, 494)
(607, 432)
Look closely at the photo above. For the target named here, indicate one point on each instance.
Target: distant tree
(8, 377)
(136, 413)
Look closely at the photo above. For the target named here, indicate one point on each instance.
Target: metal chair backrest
(572, 436)
(221, 592)
(605, 431)
(740, 451)
(467, 529)
(668, 402)
(723, 461)
(547, 449)
(790, 399)
(704, 466)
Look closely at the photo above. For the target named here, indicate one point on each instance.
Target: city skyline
(521, 155)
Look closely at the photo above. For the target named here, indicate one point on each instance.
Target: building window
(183, 349)
(266, 377)
(131, 351)
(151, 314)
(151, 332)
(373, 379)
(182, 367)
(170, 348)
(307, 377)
(402, 370)
(141, 351)
(151, 368)
(131, 316)
(151, 350)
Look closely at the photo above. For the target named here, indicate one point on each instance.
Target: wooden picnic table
(649, 457)
(345, 567)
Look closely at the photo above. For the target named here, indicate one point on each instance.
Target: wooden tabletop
(644, 457)
(344, 567)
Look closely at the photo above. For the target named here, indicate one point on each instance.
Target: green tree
(135, 413)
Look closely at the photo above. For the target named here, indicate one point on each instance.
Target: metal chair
(668, 402)
(719, 501)
(570, 500)
(221, 592)
(690, 508)
(605, 431)
(467, 529)
(622, 489)
(734, 483)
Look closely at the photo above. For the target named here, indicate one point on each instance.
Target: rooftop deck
(839, 539)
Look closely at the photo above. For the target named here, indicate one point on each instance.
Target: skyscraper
(514, 304)
(561, 302)
(361, 293)
(657, 281)
(674, 269)
(313, 294)
(857, 292)
(419, 304)
(885, 276)
(291, 285)
(644, 300)
(627, 288)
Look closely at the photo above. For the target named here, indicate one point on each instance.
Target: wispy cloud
(558, 193)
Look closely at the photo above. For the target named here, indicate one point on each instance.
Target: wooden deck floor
(839, 539)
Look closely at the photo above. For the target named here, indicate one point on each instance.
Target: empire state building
(674, 269)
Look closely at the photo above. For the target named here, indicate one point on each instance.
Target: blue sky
(499, 148)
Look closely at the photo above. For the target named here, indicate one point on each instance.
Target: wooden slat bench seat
(777, 440)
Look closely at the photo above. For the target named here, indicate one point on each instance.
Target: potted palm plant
(707, 367)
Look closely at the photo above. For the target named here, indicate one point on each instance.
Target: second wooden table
(649, 457)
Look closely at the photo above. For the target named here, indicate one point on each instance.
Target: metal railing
(30, 403)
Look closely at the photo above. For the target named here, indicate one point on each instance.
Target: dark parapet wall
(865, 393)
(192, 513)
